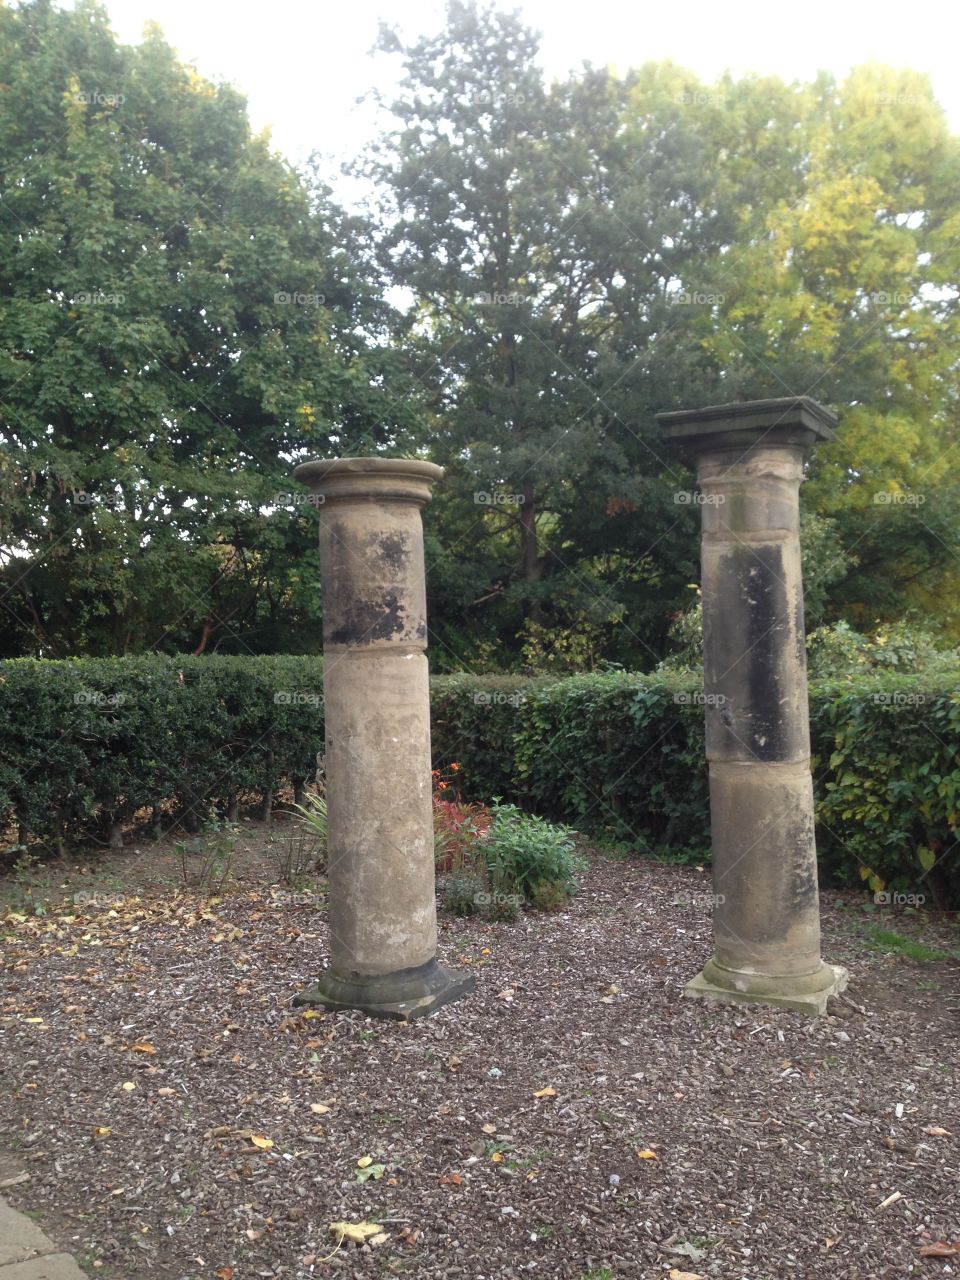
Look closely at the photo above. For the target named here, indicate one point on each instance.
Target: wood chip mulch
(575, 1117)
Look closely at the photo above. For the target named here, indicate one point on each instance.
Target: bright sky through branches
(304, 64)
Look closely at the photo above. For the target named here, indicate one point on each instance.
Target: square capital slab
(791, 420)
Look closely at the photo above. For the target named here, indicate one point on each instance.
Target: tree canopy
(184, 315)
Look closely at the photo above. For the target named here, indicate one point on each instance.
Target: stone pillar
(749, 460)
(382, 897)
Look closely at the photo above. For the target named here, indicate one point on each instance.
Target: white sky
(303, 65)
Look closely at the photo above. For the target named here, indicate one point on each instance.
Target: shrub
(528, 857)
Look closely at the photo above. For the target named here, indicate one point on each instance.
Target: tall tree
(182, 318)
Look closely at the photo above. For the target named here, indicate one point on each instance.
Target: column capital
(381, 479)
(797, 421)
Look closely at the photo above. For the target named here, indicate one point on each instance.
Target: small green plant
(313, 817)
(298, 855)
(887, 940)
(206, 863)
(531, 857)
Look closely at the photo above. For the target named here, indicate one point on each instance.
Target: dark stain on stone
(366, 621)
(391, 550)
(764, 593)
(800, 634)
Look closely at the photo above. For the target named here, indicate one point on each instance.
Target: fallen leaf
(356, 1231)
(548, 1092)
(101, 1131)
(319, 1109)
(364, 1161)
(128, 1086)
(647, 1154)
(166, 1093)
(684, 1275)
(489, 1128)
(497, 1157)
(940, 1249)
(142, 1047)
(937, 1131)
(263, 1144)
(225, 1273)
(451, 1179)
(380, 1238)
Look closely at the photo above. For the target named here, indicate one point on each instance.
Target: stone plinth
(382, 898)
(749, 460)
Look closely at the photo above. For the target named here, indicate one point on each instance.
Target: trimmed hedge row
(622, 756)
(85, 744)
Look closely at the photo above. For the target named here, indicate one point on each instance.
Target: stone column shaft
(382, 897)
(749, 461)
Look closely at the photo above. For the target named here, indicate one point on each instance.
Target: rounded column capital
(374, 479)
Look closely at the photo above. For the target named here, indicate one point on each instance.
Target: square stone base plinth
(409, 994)
(780, 993)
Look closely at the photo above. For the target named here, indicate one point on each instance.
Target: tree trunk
(530, 561)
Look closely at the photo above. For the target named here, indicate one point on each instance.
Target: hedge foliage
(86, 744)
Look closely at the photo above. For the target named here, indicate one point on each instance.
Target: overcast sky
(303, 63)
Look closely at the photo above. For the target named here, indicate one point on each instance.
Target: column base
(807, 993)
(403, 995)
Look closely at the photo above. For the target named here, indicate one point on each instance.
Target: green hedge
(622, 756)
(85, 744)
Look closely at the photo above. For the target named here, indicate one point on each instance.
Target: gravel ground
(575, 1117)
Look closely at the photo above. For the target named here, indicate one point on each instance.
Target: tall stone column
(381, 880)
(749, 460)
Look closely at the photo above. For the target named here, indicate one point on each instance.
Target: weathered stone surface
(52, 1266)
(19, 1237)
(383, 927)
(749, 461)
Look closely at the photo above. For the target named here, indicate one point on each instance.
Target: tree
(182, 319)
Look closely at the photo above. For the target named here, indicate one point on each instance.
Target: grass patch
(877, 939)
